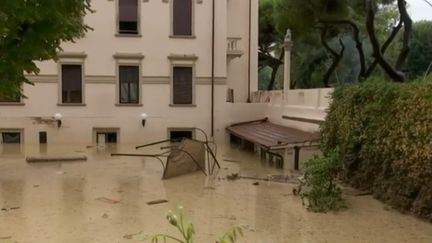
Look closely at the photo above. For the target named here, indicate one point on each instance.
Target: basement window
(104, 136)
(177, 135)
(10, 137)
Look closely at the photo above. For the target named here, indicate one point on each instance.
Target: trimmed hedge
(384, 135)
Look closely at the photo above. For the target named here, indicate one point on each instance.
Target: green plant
(383, 132)
(187, 230)
(319, 187)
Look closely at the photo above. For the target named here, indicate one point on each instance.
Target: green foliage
(187, 230)
(33, 31)
(383, 132)
(270, 48)
(420, 57)
(319, 187)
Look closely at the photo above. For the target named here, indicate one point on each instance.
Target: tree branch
(406, 42)
(337, 57)
(370, 27)
(275, 69)
(356, 37)
(384, 47)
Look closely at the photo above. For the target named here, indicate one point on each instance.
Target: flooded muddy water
(104, 199)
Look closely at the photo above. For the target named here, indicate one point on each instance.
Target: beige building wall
(96, 51)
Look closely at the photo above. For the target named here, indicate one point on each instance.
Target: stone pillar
(287, 62)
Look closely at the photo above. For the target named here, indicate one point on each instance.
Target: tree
(357, 18)
(270, 50)
(420, 58)
(33, 31)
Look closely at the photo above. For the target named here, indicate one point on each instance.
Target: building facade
(184, 63)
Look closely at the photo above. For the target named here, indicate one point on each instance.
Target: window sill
(129, 35)
(11, 104)
(128, 105)
(183, 105)
(71, 104)
(182, 36)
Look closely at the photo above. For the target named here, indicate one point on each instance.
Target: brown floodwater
(104, 200)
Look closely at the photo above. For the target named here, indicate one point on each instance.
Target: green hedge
(384, 135)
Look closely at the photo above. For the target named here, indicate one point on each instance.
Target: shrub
(319, 187)
(187, 230)
(384, 135)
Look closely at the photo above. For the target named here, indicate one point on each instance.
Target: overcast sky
(420, 10)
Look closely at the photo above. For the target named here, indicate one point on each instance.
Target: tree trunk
(337, 57)
(384, 47)
(370, 27)
(275, 68)
(405, 18)
(356, 38)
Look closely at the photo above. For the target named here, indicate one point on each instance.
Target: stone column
(287, 62)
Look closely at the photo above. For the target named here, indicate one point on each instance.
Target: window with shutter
(129, 84)
(182, 86)
(71, 84)
(182, 17)
(128, 16)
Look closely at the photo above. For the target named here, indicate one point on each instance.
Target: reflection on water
(59, 202)
(11, 191)
(11, 150)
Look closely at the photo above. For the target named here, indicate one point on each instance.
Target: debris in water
(131, 236)
(14, 208)
(233, 176)
(35, 185)
(107, 200)
(5, 237)
(232, 160)
(105, 216)
(209, 188)
(157, 202)
(256, 184)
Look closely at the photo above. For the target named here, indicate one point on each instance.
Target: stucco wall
(155, 45)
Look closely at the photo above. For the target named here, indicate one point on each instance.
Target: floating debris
(131, 236)
(256, 184)
(233, 176)
(107, 200)
(157, 202)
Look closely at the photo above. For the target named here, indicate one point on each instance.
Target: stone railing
(264, 96)
(233, 47)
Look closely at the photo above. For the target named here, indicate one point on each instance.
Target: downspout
(213, 70)
(249, 52)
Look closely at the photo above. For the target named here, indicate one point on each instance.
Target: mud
(61, 202)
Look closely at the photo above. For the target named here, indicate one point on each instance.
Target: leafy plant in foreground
(187, 230)
(319, 187)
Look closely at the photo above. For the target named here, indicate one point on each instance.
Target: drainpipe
(249, 52)
(213, 69)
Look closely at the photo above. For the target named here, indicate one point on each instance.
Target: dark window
(178, 136)
(107, 137)
(71, 84)
(182, 85)
(128, 16)
(11, 137)
(182, 17)
(42, 137)
(129, 84)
